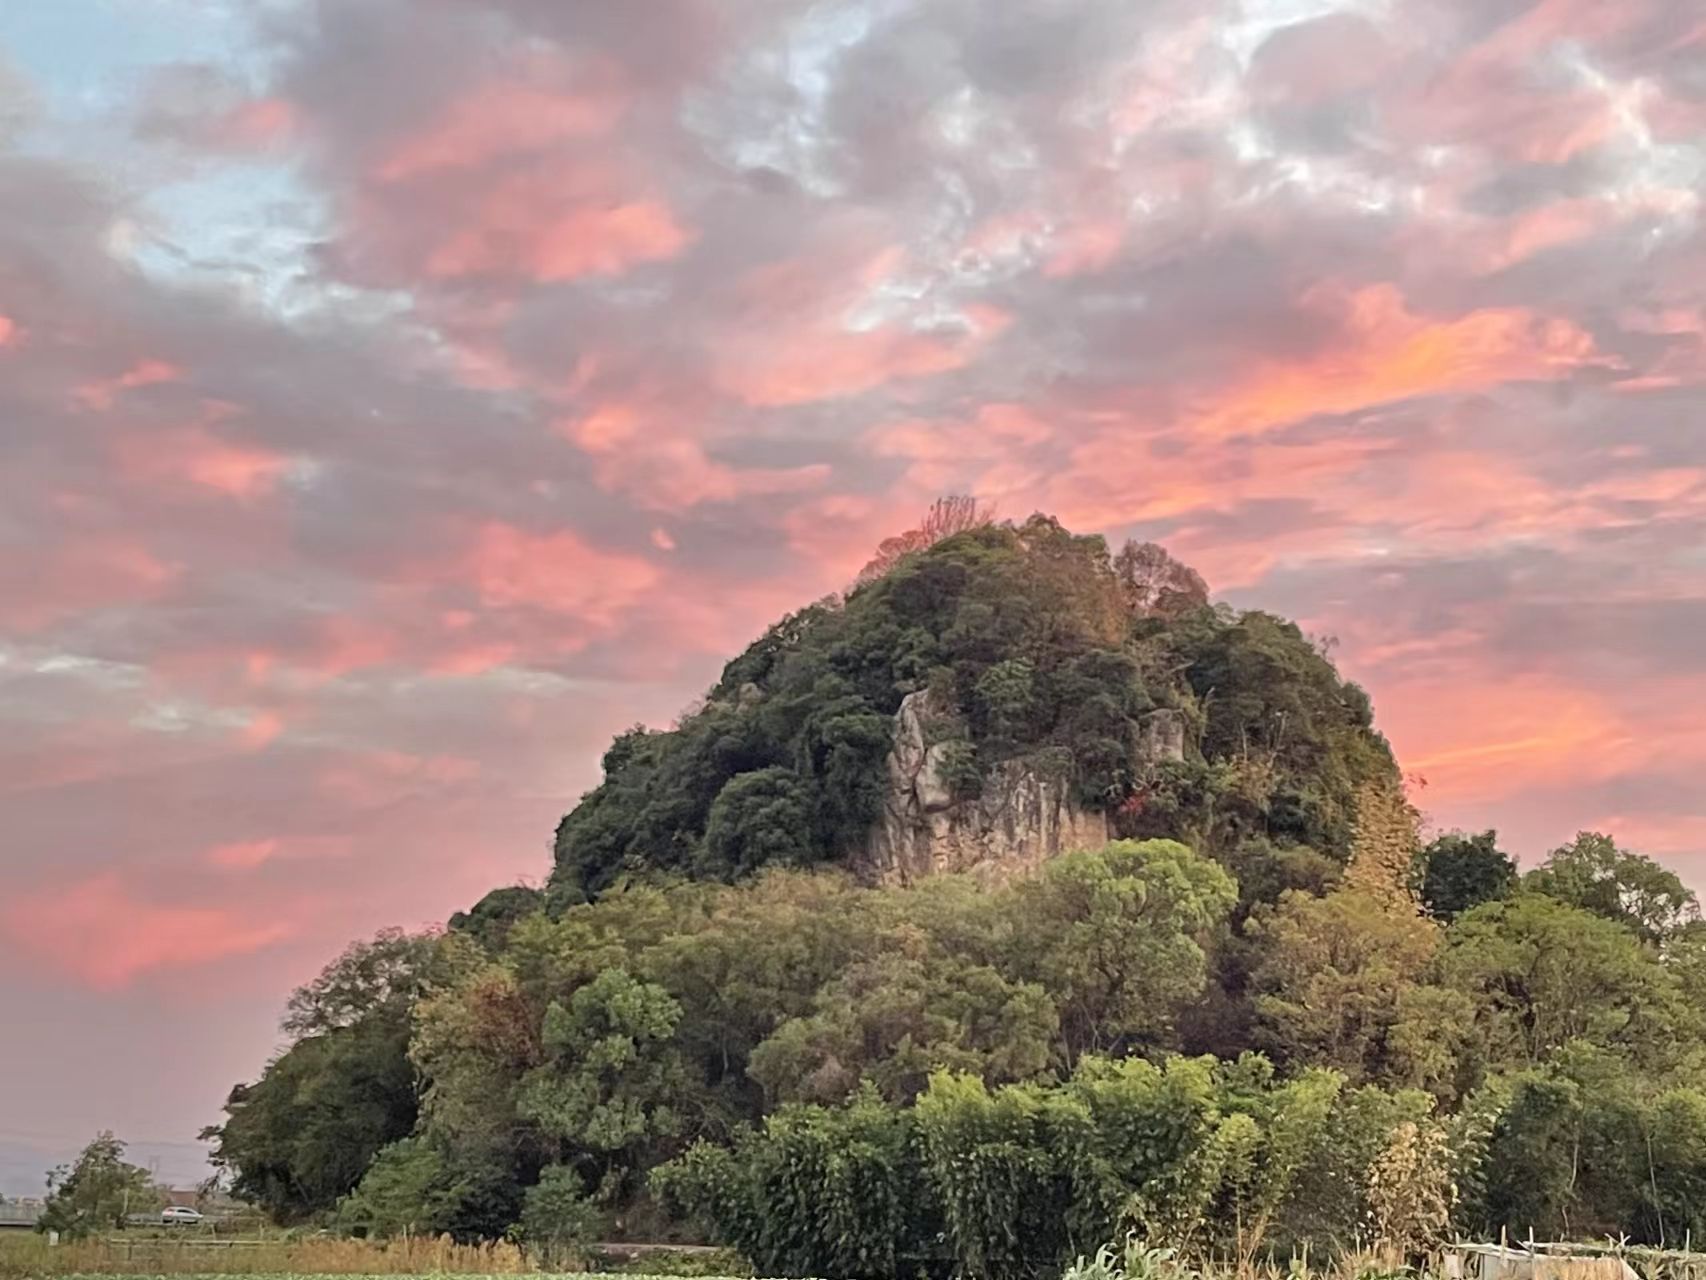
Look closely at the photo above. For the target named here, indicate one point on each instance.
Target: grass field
(31, 1256)
(27, 1256)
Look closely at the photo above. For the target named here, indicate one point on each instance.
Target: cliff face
(1024, 815)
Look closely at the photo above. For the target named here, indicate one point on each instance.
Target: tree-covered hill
(1036, 643)
(1264, 1016)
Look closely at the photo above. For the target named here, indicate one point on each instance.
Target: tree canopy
(97, 1192)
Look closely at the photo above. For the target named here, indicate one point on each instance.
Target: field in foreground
(29, 1256)
(32, 1256)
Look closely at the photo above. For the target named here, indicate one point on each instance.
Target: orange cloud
(1654, 833)
(1389, 354)
(1477, 741)
(102, 936)
(472, 660)
(976, 454)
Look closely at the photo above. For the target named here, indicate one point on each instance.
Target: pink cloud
(8, 331)
(257, 124)
(832, 361)
(102, 935)
(557, 573)
(646, 451)
(1389, 353)
(261, 730)
(1085, 248)
(241, 855)
(1478, 740)
(498, 119)
(544, 227)
(82, 575)
(373, 780)
(473, 659)
(102, 394)
(200, 457)
(345, 643)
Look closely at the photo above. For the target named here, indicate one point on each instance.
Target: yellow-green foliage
(1384, 847)
(1410, 1193)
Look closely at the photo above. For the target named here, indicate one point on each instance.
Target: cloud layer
(399, 397)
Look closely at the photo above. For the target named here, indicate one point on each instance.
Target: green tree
(1460, 872)
(816, 1191)
(1006, 700)
(1050, 652)
(473, 1045)
(898, 1016)
(490, 919)
(1542, 973)
(1383, 850)
(611, 1081)
(1334, 978)
(1078, 919)
(406, 1191)
(381, 976)
(97, 1191)
(1594, 874)
(558, 1219)
(991, 1166)
(762, 818)
(300, 1138)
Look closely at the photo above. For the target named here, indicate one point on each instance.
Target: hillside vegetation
(1264, 1016)
(1039, 641)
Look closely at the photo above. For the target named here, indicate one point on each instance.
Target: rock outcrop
(1163, 737)
(1024, 815)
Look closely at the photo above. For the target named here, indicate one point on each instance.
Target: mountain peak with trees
(1261, 1014)
(1041, 656)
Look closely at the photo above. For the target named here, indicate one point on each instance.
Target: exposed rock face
(1163, 737)
(1025, 815)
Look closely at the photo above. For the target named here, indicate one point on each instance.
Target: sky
(400, 397)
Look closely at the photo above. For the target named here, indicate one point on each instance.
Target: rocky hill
(1006, 694)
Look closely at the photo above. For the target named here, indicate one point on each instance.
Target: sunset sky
(398, 397)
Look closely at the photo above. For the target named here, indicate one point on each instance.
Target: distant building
(20, 1215)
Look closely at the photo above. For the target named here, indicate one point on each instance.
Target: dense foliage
(97, 1192)
(1037, 643)
(1265, 1016)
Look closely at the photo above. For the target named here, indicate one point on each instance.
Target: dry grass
(24, 1257)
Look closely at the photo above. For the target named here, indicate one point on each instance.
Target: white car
(178, 1214)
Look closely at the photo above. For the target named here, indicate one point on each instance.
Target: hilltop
(1044, 681)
